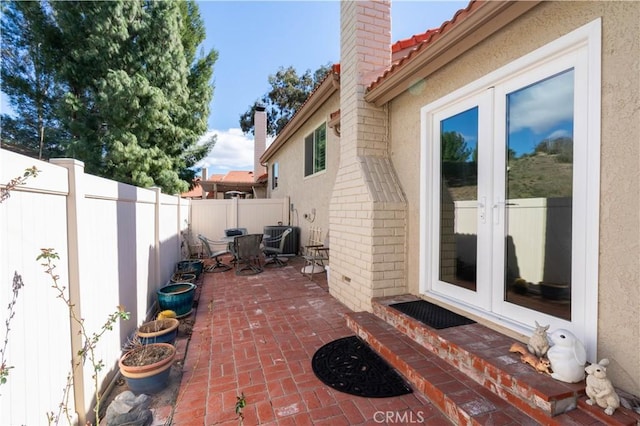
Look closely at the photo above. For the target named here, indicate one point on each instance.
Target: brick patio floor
(256, 335)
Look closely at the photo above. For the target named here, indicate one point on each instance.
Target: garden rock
(129, 410)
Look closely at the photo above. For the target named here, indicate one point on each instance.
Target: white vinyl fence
(538, 232)
(118, 245)
(211, 217)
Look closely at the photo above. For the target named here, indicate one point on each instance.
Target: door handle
(496, 210)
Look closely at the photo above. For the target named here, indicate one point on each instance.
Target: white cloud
(560, 133)
(233, 151)
(542, 106)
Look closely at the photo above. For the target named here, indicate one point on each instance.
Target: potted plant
(146, 368)
(163, 330)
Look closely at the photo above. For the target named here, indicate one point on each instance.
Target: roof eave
(487, 19)
(327, 88)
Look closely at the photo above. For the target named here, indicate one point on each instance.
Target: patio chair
(273, 254)
(218, 265)
(247, 249)
(230, 234)
(315, 255)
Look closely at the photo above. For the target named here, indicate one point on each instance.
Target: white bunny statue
(567, 356)
(538, 342)
(599, 389)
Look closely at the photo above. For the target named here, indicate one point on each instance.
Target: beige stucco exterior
(619, 265)
(311, 192)
(619, 236)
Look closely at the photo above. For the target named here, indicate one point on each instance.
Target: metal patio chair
(231, 233)
(247, 249)
(273, 255)
(218, 265)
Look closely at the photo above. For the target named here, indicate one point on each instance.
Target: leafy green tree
(28, 80)
(288, 92)
(454, 148)
(136, 95)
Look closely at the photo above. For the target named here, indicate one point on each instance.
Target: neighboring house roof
(195, 192)
(234, 176)
(235, 180)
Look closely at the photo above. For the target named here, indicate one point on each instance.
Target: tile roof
(195, 192)
(402, 48)
(407, 49)
(234, 176)
(239, 178)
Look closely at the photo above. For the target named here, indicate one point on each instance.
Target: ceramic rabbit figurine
(567, 357)
(599, 389)
(538, 342)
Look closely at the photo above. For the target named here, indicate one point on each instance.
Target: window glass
(458, 198)
(539, 188)
(315, 151)
(274, 176)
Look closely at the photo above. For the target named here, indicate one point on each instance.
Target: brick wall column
(367, 211)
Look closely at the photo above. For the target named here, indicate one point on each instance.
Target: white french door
(510, 182)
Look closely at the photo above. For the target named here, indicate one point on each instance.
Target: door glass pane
(459, 199)
(539, 177)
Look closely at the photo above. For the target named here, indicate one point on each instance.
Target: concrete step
(470, 374)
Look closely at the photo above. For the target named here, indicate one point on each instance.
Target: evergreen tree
(136, 95)
(28, 79)
(288, 92)
(137, 117)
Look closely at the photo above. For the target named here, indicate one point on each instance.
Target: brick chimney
(368, 209)
(260, 141)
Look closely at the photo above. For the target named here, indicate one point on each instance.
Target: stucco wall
(312, 192)
(619, 264)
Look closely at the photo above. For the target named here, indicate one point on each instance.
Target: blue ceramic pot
(149, 377)
(177, 297)
(190, 266)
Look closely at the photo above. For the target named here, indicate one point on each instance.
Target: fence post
(286, 209)
(75, 211)
(234, 212)
(156, 236)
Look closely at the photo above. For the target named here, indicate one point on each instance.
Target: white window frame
(582, 49)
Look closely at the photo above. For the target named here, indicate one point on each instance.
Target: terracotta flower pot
(158, 331)
(146, 368)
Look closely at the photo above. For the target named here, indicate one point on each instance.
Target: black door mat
(432, 315)
(349, 365)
